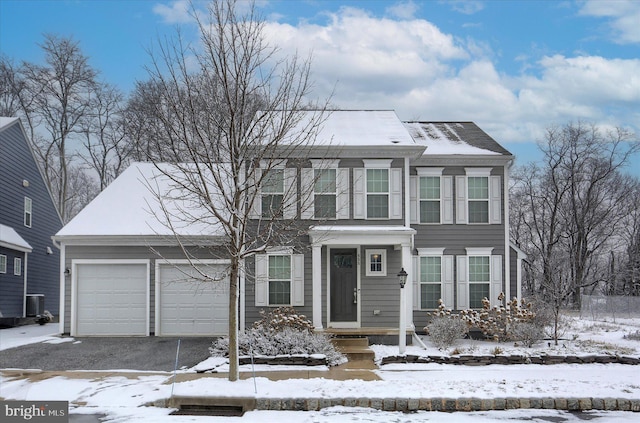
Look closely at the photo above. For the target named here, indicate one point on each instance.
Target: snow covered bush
(445, 328)
(445, 331)
(528, 333)
(496, 322)
(281, 332)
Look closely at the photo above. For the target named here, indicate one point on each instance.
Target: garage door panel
(112, 299)
(191, 307)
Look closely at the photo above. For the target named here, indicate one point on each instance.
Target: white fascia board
(139, 240)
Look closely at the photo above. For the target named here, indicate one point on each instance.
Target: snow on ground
(121, 398)
(24, 335)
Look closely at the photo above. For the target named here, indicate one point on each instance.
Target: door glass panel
(343, 261)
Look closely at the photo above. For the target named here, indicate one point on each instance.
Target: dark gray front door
(344, 286)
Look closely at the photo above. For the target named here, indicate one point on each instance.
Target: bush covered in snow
(528, 333)
(281, 332)
(445, 328)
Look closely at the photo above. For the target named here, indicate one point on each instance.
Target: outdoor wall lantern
(67, 272)
(402, 277)
(402, 333)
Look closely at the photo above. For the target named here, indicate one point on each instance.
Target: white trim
(18, 261)
(361, 235)
(61, 278)
(478, 171)
(430, 251)
(356, 323)
(316, 282)
(429, 171)
(279, 251)
(377, 163)
(273, 164)
(383, 261)
(474, 251)
(324, 163)
(74, 286)
(26, 279)
(3, 257)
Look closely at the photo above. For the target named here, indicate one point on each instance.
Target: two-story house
(29, 261)
(376, 196)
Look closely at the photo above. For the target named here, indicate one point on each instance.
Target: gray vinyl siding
(11, 300)
(126, 253)
(17, 164)
(381, 292)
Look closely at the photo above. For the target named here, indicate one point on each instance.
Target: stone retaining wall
(485, 360)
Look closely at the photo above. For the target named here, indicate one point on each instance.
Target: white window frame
(28, 212)
(434, 172)
(265, 177)
(472, 283)
(17, 266)
(3, 263)
(422, 283)
(493, 200)
(377, 193)
(382, 253)
(296, 277)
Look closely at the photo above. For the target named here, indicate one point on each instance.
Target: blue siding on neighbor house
(17, 164)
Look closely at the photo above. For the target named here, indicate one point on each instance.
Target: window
(27, 211)
(3, 263)
(430, 282)
(478, 199)
(280, 280)
(273, 193)
(479, 280)
(377, 193)
(376, 263)
(324, 189)
(17, 266)
(429, 199)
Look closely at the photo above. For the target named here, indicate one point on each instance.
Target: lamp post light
(402, 334)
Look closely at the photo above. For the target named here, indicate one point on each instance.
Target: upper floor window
(430, 199)
(3, 263)
(279, 280)
(325, 193)
(17, 266)
(273, 193)
(478, 199)
(377, 193)
(27, 211)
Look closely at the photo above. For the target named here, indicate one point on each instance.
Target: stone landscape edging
(485, 360)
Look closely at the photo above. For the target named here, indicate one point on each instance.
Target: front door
(344, 286)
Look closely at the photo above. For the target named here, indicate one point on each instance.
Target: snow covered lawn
(122, 397)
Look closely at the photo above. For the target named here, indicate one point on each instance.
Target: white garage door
(188, 306)
(111, 299)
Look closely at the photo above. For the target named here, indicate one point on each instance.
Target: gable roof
(10, 239)
(131, 206)
(454, 138)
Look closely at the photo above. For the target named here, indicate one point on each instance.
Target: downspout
(507, 247)
(406, 261)
(61, 309)
(24, 297)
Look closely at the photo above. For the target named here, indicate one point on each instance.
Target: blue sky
(513, 67)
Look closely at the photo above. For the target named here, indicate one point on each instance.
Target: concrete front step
(355, 348)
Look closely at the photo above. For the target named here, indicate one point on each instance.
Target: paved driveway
(132, 353)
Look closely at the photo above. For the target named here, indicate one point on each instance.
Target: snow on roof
(454, 138)
(347, 128)
(6, 121)
(131, 206)
(9, 238)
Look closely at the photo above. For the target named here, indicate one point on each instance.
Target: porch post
(408, 305)
(316, 276)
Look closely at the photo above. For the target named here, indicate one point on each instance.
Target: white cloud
(177, 12)
(404, 10)
(467, 7)
(623, 15)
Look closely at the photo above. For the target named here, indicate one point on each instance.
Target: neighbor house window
(279, 280)
(325, 193)
(273, 193)
(430, 282)
(17, 266)
(27, 211)
(376, 263)
(479, 280)
(377, 193)
(3, 263)
(429, 199)
(478, 199)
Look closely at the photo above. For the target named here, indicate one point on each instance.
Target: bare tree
(228, 113)
(569, 211)
(106, 147)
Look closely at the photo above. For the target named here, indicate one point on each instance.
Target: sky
(513, 67)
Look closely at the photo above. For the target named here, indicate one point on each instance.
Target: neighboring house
(29, 261)
(377, 195)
